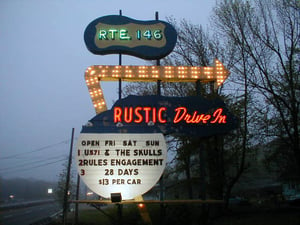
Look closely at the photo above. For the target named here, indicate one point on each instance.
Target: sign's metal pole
(198, 88)
(65, 206)
(120, 63)
(158, 64)
(161, 181)
(120, 207)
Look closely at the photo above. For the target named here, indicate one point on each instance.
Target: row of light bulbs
(95, 74)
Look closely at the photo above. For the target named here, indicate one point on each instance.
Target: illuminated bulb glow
(95, 74)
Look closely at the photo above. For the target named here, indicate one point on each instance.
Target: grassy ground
(185, 214)
(261, 217)
(109, 215)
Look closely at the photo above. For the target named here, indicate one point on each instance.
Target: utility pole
(77, 198)
(65, 207)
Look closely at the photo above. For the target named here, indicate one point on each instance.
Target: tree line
(20, 189)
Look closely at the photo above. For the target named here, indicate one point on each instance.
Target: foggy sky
(43, 58)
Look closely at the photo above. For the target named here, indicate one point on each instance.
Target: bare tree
(197, 47)
(266, 35)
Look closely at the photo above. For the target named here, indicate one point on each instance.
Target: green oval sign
(113, 34)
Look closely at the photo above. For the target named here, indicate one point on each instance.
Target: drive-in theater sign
(123, 150)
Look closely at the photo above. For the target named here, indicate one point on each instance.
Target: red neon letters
(127, 114)
(147, 114)
(181, 114)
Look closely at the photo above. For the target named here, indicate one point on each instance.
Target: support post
(161, 198)
(198, 88)
(120, 64)
(202, 173)
(158, 64)
(120, 214)
(204, 213)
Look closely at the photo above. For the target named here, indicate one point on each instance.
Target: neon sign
(154, 115)
(152, 39)
(216, 117)
(128, 113)
(191, 115)
(123, 150)
(123, 34)
(111, 34)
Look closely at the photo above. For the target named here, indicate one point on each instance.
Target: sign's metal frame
(178, 201)
(119, 40)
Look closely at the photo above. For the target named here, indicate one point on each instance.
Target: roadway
(28, 215)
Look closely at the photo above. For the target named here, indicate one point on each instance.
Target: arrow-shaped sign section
(94, 74)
